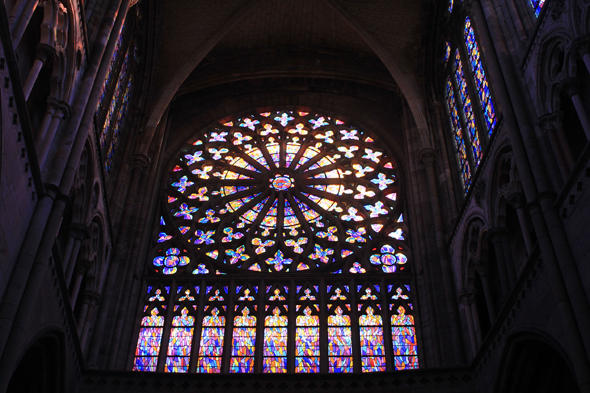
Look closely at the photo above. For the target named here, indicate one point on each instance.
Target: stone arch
(40, 369)
(409, 88)
(534, 362)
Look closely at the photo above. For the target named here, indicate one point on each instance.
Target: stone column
(552, 125)
(91, 301)
(78, 233)
(517, 201)
(571, 87)
(61, 112)
(19, 18)
(487, 292)
(465, 298)
(427, 156)
(44, 53)
(495, 235)
(82, 267)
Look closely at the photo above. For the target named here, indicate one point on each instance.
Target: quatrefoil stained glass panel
(282, 191)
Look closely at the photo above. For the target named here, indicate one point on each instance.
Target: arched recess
(41, 367)
(166, 90)
(480, 282)
(533, 364)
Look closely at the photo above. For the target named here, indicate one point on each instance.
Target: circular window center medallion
(281, 183)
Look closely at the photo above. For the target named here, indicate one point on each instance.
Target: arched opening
(533, 366)
(39, 369)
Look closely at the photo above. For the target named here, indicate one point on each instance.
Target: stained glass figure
(243, 343)
(339, 342)
(458, 136)
(148, 344)
(465, 102)
(179, 347)
(275, 342)
(537, 6)
(372, 348)
(278, 183)
(211, 346)
(404, 340)
(307, 343)
(479, 76)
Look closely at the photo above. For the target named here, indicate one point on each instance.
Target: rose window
(285, 191)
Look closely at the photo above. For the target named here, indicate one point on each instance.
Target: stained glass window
(403, 332)
(479, 76)
(339, 331)
(464, 100)
(447, 52)
(307, 334)
(450, 7)
(458, 135)
(121, 116)
(244, 335)
(275, 330)
(251, 203)
(179, 348)
(212, 334)
(371, 330)
(111, 70)
(150, 333)
(537, 6)
(289, 198)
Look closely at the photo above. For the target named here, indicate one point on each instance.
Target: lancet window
(468, 98)
(249, 207)
(117, 90)
(537, 6)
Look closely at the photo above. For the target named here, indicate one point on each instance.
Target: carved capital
(479, 191)
(62, 108)
(496, 234)
(140, 161)
(79, 231)
(83, 265)
(581, 45)
(557, 7)
(427, 155)
(551, 121)
(570, 86)
(45, 52)
(516, 200)
(467, 297)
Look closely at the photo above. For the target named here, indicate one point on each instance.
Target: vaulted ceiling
(375, 43)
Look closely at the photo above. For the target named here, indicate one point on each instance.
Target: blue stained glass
(465, 102)
(483, 88)
(537, 6)
(458, 133)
